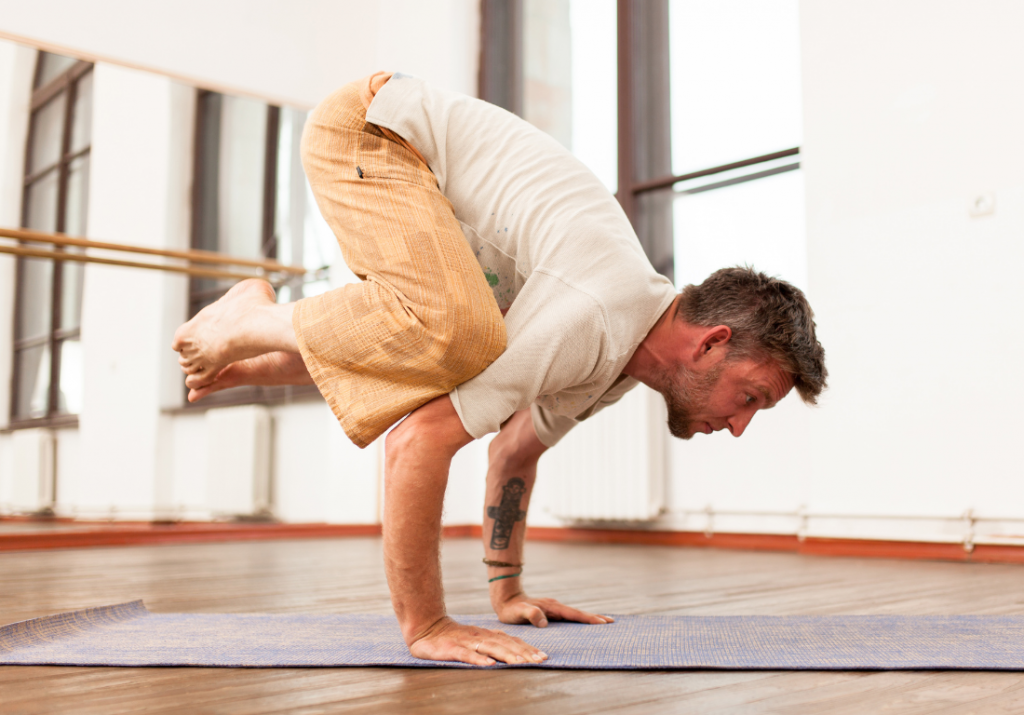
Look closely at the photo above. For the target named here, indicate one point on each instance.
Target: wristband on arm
(498, 578)
(504, 564)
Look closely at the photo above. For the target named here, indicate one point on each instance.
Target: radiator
(35, 470)
(611, 467)
(239, 448)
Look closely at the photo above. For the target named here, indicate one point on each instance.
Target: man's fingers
(573, 614)
(534, 615)
(508, 653)
(472, 657)
(476, 646)
(508, 649)
(450, 651)
(567, 613)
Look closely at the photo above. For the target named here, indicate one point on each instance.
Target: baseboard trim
(814, 546)
(72, 535)
(89, 535)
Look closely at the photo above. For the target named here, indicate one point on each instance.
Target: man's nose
(738, 423)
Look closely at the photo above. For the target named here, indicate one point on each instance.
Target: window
(689, 110)
(553, 62)
(47, 348)
(250, 199)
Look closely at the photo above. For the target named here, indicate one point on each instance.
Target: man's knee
(322, 135)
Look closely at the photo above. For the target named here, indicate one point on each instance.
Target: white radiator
(239, 447)
(611, 467)
(35, 470)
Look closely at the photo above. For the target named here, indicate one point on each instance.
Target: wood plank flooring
(346, 576)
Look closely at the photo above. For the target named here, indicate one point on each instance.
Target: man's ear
(713, 340)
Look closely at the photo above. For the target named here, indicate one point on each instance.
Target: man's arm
(512, 471)
(419, 453)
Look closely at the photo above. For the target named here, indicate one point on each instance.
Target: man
(424, 188)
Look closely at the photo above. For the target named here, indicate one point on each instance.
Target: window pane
(35, 291)
(569, 78)
(594, 88)
(72, 282)
(78, 197)
(69, 397)
(758, 223)
(290, 198)
(81, 126)
(229, 174)
(653, 224)
(207, 171)
(735, 77)
(50, 66)
(547, 67)
(32, 382)
(41, 203)
(242, 147)
(47, 134)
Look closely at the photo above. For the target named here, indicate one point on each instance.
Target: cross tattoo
(507, 513)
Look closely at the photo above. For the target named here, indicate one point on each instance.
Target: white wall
(124, 339)
(911, 110)
(319, 475)
(295, 53)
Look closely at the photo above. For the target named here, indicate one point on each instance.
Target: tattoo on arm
(507, 513)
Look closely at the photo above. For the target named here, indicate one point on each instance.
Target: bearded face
(688, 394)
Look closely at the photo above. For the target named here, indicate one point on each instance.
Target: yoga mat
(129, 635)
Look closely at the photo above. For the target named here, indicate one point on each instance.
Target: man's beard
(687, 394)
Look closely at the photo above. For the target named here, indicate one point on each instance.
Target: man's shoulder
(623, 299)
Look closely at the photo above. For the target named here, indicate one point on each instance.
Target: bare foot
(244, 323)
(276, 368)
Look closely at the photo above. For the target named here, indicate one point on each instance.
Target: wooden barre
(196, 256)
(83, 258)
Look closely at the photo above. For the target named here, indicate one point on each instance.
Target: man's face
(724, 396)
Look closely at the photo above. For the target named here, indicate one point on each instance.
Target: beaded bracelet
(503, 564)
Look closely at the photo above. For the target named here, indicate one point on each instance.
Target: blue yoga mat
(129, 635)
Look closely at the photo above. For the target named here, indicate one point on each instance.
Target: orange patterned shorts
(422, 319)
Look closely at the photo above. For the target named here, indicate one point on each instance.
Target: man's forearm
(416, 473)
(504, 533)
(511, 474)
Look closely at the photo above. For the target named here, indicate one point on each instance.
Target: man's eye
(751, 399)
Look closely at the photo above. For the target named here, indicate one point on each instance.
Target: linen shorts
(422, 319)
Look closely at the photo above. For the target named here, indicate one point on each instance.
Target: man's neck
(653, 357)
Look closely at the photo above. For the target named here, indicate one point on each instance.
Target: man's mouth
(708, 429)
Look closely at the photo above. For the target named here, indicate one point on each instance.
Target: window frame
(501, 89)
(66, 82)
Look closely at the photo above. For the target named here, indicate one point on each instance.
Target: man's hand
(448, 640)
(519, 608)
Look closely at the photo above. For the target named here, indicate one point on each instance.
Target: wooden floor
(345, 576)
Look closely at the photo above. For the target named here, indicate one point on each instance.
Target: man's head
(745, 340)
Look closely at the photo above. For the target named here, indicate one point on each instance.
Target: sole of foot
(277, 368)
(224, 332)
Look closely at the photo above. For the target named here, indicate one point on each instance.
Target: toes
(196, 395)
(199, 379)
(178, 343)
